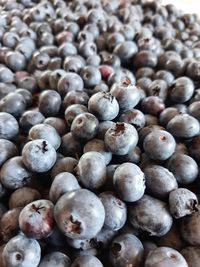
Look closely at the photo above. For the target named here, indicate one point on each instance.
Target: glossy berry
(129, 182)
(36, 219)
(79, 219)
(159, 145)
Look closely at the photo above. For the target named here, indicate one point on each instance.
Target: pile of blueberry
(99, 134)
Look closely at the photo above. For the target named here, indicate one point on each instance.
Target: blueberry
(92, 175)
(165, 256)
(19, 178)
(134, 117)
(14, 104)
(104, 106)
(148, 222)
(182, 202)
(75, 97)
(192, 255)
(159, 181)
(36, 219)
(152, 105)
(47, 132)
(15, 61)
(55, 259)
(63, 182)
(121, 138)
(129, 182)
(194, 110)
(98, 146)
(87, 261)
(67, 49)
(158, 88)
(172, 239)
(181, 90)
(30, 118)
(74, 110)
(69, 82)
(8, 150)
(159, 145)
(183, 126)
(23, 196)
(115, 211)
(58, 123)
(183, 167)
(64, 164)
(39, 155)
(84, 126)
(167, 114)
(23, 251)
(126, 94)
(79, 219)
(91, 76)
(9, 224)
(126, 50)
(49, 103)
(126, 249)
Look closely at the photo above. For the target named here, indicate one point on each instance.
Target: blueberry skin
(21, 251)
(181, 90)
(183, 126)
(103, 127)
(66, 164)
(63, 182)
(184, 168)
(49, 103)
(23, 196)
(75, 97)
(129, 182)
(182, 202)
(104, 106)
(126, 50)
(125, 250)
(69, 82)
(121, 138)
(190, 228)
(91, 76)
(172, 239)
(98, 146)
(8, 150)
(56, 258)
(47, 132)
(9, 224)
(58, 123)
(164, 257)
(79, 219)
(192, 255)
(9, 127)
(91, 170)
(74, 110)
(126, 93)
(159, 145)
(148, 222)
(84, 126)
(39, 155)
(70, 146)
(19, 178)
(14, 104)
(167, 114)
(115, 211)
(87, 261)
(30, 118)
(134, 117)
(36, 219)
(194, 147)
(159, 181)
(194, 110)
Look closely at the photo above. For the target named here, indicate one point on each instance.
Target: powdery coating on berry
(39, 155)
